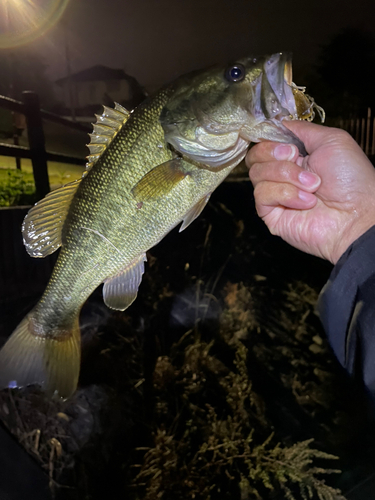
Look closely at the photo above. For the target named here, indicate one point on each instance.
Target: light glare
(22, 21)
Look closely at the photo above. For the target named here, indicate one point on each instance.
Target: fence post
(35, 134)
(368, 125)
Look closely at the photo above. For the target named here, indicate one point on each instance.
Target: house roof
(96, 73)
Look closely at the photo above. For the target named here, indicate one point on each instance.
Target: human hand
(321, 203)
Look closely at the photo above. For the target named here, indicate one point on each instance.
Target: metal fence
(362, 129)
(30, 107)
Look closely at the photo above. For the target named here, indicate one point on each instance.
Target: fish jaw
(278, 71)
(273, 89)
(271, 130)
(274, 102)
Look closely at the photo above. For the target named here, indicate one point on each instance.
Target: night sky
(156, 40)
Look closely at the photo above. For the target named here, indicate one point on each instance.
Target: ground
(211, 385)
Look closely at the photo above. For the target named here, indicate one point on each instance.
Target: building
(83, 93)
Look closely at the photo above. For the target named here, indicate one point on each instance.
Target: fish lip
(273, 102)
(278, 70)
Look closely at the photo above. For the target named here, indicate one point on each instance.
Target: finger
(269, 195)
(312, 134)
(284, 172)
(268, 151)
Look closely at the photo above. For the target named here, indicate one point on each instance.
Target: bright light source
(22, 21)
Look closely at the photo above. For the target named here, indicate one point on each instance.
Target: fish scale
(147, 171)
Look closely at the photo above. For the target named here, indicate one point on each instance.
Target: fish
(148, 171)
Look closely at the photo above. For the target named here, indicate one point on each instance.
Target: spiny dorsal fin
(104, 130)
(41, 228)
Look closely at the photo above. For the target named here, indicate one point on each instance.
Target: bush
(212, 438)
(16, 189)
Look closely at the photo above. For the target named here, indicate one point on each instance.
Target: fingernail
(308, 178)
(284, 152)
(306, 197)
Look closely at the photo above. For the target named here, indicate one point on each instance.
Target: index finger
(311, 134)
(270, 151)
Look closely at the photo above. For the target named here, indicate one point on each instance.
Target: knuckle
(273, 230)
(258, 148)
(254, 172)
(285, 191)
(340, 134)
(261, 193)
(261, 151)
(258, 190)
(284, 171)
(258, 208)
(252, 156)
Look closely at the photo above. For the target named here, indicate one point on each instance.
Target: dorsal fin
(104, 130)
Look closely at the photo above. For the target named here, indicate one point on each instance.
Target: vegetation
(18, 188)
(214, 447)
(212, 437)
(207, 388)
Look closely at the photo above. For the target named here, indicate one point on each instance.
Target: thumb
(311, 134)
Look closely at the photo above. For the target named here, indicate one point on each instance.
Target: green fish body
(149, 170)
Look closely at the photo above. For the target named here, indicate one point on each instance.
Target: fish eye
(235, 73)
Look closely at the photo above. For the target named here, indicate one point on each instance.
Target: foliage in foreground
(15, 189)
(212, 438)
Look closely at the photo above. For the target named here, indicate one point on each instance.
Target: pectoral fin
(194, 212)
(41, 228)
(160, 180)
(121, 290)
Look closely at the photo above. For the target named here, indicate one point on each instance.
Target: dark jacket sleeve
(347, 309)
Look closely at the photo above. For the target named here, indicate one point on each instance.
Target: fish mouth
(291, 101)
(277, 99)
(273, 103)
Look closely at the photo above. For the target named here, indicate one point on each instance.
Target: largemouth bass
(148, 171)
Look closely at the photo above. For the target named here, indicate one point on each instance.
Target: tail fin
(49, 361)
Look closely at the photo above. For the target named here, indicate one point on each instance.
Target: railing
(30, 107)
(362, 130)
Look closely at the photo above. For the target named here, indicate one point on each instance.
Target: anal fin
(194, 212)
(120, 291)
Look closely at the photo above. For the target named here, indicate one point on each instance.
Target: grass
(58, 173)
(17, 186)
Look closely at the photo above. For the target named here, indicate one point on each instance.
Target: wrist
(349, 236)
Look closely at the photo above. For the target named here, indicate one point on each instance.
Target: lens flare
(22, 21)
